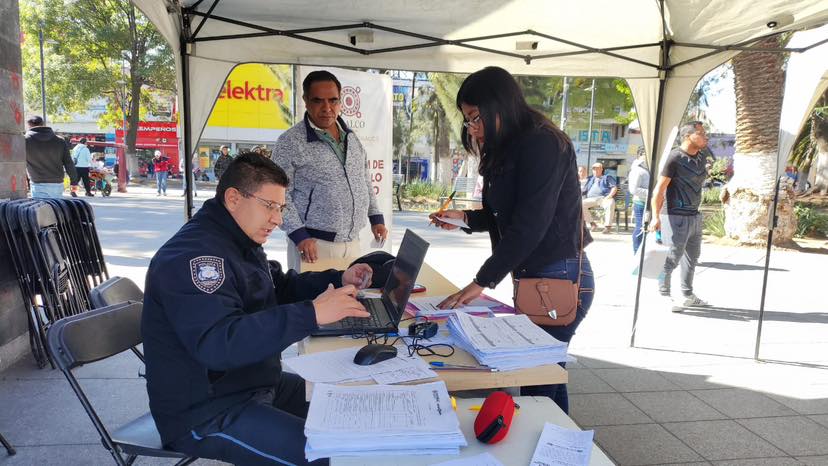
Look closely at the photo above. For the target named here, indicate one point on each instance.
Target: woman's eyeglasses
(473, 122)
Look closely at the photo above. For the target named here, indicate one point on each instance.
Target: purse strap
(580, 257)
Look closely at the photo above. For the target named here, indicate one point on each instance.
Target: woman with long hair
(531, 199)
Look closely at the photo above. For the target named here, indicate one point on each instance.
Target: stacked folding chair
(55, 249)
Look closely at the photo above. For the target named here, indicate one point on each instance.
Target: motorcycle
(101, 180)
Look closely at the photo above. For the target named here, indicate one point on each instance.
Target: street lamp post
(591, 117)
(42, 74)
(122, 172)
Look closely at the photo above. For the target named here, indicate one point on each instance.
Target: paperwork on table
(338, 366)
(506, 343)
(371, 420)
(562, 447)
(427, 307)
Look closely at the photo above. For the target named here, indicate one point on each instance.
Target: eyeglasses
(473, 122)
(271, 206)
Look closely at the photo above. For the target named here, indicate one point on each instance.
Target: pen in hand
(445, 205)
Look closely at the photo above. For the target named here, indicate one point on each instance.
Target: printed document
(453, 221)
(381, 409)
(338, 366)
(558, 446)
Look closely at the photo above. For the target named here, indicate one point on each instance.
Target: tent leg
(185, 123)
(772, 222)
(659, 109)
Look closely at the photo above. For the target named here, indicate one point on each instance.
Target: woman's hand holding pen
(456, 214)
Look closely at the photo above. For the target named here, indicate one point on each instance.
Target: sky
(722, 105)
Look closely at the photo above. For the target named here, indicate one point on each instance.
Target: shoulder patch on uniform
(207, 272)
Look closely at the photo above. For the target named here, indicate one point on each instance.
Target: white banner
(367, 110)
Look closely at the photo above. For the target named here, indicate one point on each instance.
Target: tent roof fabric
(585, 38)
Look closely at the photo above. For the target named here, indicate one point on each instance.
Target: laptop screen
(404, 272)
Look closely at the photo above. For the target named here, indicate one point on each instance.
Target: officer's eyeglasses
(473, 122)
(271, 206)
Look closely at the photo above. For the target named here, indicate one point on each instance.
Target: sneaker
(90, 195)
(607, 230)
(157, 195)
(693, 301)
(593, 226)
(74, 194)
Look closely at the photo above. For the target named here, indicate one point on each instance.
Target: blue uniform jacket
(213, 325)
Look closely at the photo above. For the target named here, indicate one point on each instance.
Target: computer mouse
(373, 353)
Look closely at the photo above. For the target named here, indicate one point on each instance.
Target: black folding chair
(94, 336)
(9, 449)
(117, 290)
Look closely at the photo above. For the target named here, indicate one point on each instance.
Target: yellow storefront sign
(255, 96)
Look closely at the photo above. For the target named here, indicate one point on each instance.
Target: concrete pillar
(13, 329)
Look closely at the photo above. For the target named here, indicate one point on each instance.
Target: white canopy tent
(661, 47)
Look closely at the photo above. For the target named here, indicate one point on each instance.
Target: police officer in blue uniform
(218, 314)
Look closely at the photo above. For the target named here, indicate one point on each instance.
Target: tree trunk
(821, 137)
(759, 82)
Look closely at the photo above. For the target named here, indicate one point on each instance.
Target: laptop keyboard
(375, 307)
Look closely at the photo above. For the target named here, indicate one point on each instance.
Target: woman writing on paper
(531, 199)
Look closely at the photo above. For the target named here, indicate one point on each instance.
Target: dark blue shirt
(213, 325)
(605, 183)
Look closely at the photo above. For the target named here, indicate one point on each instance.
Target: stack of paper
(506, 343)
(375, 420)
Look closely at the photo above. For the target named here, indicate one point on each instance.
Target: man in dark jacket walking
(222, 161)
(47, 156)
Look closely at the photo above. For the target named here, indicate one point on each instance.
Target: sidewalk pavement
(689, 392)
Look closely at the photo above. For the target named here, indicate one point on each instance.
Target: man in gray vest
(680, 182)
(330, 198)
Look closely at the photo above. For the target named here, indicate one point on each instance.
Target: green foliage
(810, 222)
(718, 171)
(423, 189)
(713, 223)
(711, 196)
(90, 46)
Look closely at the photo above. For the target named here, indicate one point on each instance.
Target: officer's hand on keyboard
(336, 304)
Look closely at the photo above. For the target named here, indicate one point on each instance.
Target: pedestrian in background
(639, 184)
(222, 161)
(47, 157)
(680, 186)
(161, 164)
(83, 161)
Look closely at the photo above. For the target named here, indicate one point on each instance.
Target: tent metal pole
(648, 207)
(772, 224)
(185, 123)
(205, 18)
(591, 118)
(662, 84)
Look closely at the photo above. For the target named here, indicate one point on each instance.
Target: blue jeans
(40, 190)
(564, 269)
(161, 182)
(638, 235)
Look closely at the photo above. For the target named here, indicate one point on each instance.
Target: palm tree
(811, 147)
(759, 80)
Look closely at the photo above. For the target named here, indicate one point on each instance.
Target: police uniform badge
(207, 273)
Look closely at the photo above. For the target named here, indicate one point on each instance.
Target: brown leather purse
(549, 301)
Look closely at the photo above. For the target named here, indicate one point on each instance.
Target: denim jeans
(47, 190)
(638, 235)
(564, 269)
(161, 179)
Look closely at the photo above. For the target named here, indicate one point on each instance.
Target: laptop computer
(387, 310)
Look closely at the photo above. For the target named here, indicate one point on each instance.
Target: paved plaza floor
(688, 392)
